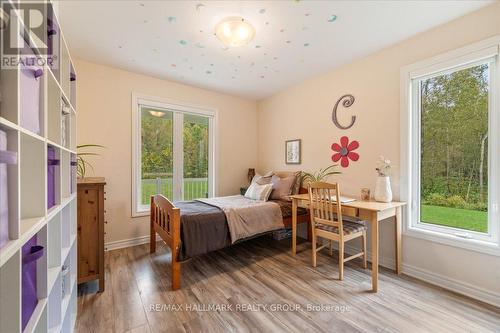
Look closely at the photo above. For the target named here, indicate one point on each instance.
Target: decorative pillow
(282, 187)
(262, 179)
(298, 182)
(259, 192)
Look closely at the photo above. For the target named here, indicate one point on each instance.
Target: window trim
(453, 60)
(164, 103)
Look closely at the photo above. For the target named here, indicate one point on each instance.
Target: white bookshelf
(56, 228)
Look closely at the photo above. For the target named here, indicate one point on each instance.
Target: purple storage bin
(31, 253)
(73, 172)
(29, 83)
(6, 157)
(52, 35)
(52, 163)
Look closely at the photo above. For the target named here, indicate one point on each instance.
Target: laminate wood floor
(257, 286)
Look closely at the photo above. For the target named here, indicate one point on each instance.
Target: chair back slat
(322, 207)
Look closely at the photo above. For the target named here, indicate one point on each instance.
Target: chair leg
(331, 247)
(313, 249)
(341, 259)
(364, 249)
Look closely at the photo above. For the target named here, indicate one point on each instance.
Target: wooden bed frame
(165, 220)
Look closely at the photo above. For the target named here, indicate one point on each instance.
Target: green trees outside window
(454, 148)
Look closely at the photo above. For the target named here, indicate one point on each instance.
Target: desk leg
(398, 241)
(294, 226)
(374, 225)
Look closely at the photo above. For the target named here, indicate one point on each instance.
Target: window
(173, 148)
(450, 147)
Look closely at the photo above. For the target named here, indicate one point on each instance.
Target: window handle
(463, 235)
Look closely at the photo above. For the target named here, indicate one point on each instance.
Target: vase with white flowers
(383, 192)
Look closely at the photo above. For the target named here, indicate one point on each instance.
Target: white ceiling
(294, 39)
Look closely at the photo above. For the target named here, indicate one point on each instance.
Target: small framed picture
(292, 151)
(365, 194)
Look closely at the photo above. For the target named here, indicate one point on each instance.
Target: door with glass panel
(175, 154)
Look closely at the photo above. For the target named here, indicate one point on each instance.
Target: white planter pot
(383, 192)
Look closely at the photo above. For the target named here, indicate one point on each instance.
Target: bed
(192, 228)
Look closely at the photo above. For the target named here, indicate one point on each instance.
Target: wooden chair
(327, 222)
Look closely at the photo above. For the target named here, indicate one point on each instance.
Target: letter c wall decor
(347, 101)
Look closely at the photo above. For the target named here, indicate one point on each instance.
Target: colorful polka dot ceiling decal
(183, 42)
(332, 18)
(257, 46)
(171, 19)
(199, 45)
(306, 44)
(199, 6)
(262, 11)
(209, 72)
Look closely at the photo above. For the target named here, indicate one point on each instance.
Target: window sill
(490, 248)
(140, 214)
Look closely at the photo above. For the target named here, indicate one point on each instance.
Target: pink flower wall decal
(344, 151)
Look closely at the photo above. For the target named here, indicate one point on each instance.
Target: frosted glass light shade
(234, 31)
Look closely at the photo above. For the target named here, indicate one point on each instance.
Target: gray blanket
(246, 217)
(203, 229)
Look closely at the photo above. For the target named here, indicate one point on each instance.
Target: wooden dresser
(91, 230)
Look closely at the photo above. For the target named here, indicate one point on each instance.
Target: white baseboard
(457, 286)
(439, 280)
(445, 282)
(128, 243)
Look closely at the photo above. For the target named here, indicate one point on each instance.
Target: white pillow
(259, 192)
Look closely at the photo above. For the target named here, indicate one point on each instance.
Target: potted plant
(320, 175)
(82, 163)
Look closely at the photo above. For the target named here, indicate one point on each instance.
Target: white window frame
(410, 148)
(178, 108)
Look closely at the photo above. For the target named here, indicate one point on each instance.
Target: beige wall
(304, 111)
(104, 117)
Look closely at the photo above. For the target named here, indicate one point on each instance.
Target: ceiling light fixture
(234, 31)
(158, 114)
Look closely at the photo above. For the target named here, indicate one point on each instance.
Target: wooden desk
(371, 211)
